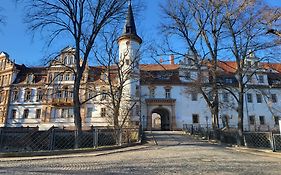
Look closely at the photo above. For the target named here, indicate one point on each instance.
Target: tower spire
(130, 27)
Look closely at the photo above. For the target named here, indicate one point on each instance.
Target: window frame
(195, 118)
(38, 113)
(259, 98)
(26, 113)
(262, 119)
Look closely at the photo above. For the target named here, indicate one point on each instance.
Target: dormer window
(65, 60)
(260, 79)
(127, 62)
(68, 60)
(30, 78)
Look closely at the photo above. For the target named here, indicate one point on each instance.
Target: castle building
(160, 96)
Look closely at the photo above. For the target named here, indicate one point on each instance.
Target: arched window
(65, 60)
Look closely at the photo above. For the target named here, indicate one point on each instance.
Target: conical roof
(130, 27)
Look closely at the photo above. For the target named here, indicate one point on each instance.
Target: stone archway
(161, 119)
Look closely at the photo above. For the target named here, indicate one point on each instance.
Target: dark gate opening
(160, 119)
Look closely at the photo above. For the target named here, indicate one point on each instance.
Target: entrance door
(160, 119)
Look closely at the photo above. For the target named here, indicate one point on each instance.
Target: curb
(70, 153)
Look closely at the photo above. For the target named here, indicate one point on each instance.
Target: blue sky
(29, 50)
(22, 47)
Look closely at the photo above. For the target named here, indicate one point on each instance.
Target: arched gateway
(160, 119)
(161, 114)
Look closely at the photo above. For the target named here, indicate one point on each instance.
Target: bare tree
(81, 21)
(245, 26)
(117, 76)
(2, 17)
(199, 25)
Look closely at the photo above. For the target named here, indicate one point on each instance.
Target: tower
(129, 56)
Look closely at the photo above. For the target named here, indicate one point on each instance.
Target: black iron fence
(32, 139)
(263, 140)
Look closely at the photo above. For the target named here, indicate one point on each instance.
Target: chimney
(172, 59)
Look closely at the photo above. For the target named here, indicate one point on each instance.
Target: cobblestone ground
(174, 154)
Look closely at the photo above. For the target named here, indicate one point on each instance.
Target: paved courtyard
(175, 154)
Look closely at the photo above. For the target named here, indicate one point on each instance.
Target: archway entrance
(160, 119)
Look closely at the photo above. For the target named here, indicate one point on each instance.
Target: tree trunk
(77, 111)
(240, 110)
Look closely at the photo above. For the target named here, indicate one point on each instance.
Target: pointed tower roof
(130, 30)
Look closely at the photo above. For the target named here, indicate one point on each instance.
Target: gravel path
(175, 154)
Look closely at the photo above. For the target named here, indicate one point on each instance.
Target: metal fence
(263, 140)
(31, 139)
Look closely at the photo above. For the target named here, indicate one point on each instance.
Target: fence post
(119, 137)
(52, 139)
(95, 137)
(244, 137)
(272, 142)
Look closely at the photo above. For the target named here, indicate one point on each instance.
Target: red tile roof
(158, 67)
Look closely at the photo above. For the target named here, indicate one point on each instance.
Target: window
(225, 121)
(127, 62)
(25, 113)
(168, 93)
(252, 119)
(259, 98)
(27, 96)
(274, 98)
(38, 113)
(66, 60)
(187, 75)
(103, 96)
(89, 112)
(103, 112)
(59, 94)
(137, 91)
(194, 96)
(15, 96)
(249, 98)
(195, 118)
(14, 113)
(225, 97)
(228, 80)
(64, 113)
(262, 120)
(39, 95)
(71, 59)
(260, 79)
(65, 93)
(30, 78)
(66, 77)
(276, 120)
(137, 110)
(152, 93)
(70, 113)
(2, 96)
